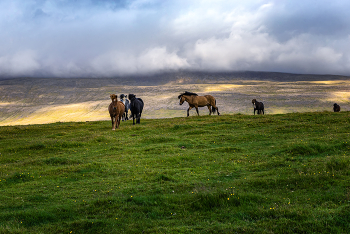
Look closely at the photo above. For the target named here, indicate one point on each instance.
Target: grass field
(285, 173)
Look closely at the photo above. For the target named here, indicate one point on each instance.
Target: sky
(105, 38)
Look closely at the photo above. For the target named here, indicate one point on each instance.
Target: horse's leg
(112, 122)
(137, 118)
(209, 108)
(132, 116)
(188, 111)
(197, 110)
(215, 108)
(115, 123)
(119, 120)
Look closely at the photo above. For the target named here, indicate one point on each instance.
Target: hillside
(286, 173)
(48, 100)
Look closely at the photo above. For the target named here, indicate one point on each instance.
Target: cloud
(108, 38)
(148, 62)
(19, 64)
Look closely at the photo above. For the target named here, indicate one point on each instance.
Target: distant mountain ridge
(179, 76)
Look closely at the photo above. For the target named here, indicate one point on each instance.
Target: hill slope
(39, 100)
(224, 174)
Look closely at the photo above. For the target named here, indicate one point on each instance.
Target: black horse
(336, 107)
(124, 99)
(259, 106)
(136, 107)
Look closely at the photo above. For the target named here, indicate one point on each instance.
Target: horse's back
(200, 101)
(141, 101)
(136, 105)
(261, 105)
(210, 99)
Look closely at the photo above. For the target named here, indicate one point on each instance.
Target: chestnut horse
(116, 110)
(198, 101)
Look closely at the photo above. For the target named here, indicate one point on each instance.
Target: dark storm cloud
(64, 38)
(327, 18)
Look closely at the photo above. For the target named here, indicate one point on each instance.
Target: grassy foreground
(285, 173)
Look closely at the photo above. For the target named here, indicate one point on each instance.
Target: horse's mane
(187, 94)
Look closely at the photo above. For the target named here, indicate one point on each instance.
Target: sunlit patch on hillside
(86, 111)
(296, 109)
(221, 87)
(339, 97)
(6, 103)
(277, 110)
(165, 113)
(331, 82)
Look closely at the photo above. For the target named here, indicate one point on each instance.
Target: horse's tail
(213, 109)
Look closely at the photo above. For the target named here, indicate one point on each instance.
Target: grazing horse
(198, 101)
(259, 106)
(336, 107)
(136, 107)
(124, 99)
(116, 110)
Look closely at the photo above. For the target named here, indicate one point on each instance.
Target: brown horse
(198, 101)
(116, 110)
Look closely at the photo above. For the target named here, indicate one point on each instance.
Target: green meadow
(283, 173)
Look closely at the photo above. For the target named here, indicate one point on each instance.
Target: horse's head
(132, 96)
(121, 96)
(335, 104)
(182, 99)
(254, 102)
(114, 97)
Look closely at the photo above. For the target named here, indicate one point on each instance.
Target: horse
(116, 110)
(124, 99)
(336, 107)
(196, 101)
(136, 107)
(259, 106)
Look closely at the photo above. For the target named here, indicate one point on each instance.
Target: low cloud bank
(107, 38)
